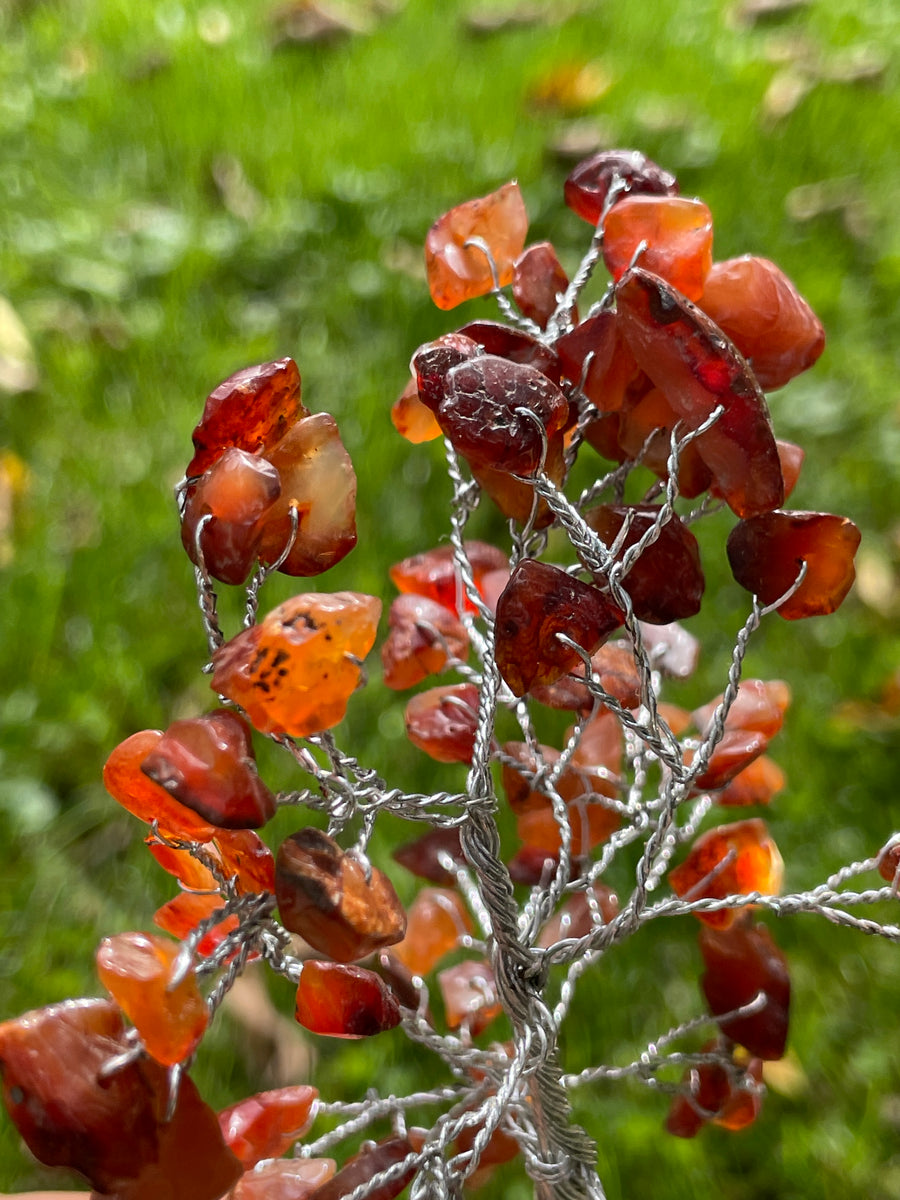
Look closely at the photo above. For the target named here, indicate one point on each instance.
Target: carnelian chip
(136, 969)
(693, 363)
(757, 783)
(645, 434)
(424, 855)
(234, 500)
(324, 894)
(470, 996)
(591, 824)
(251, 410)
(515, 497)
(369, 1162)
(436, 921)
(457, 272)
(740, 963)
(539, 282)
(615, 667)
(578, 916)
(207, 764)
(539, 602)
(295, 672)
(711, 1093)
(757, 306)
(422, 635)
(588, 185)
(435, 573)
(766, 553)
(318, 482)
(677, 236)
(759, 705)
(412, 419)
(268, 1124)
(505, 341)
(431, 362)
(284, 1179)
(344, 1001)
(442, 721)
(735, 751)
(728, 860)
(182, 914)
(127, 783)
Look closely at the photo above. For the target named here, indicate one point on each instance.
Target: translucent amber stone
(325, 895)
(759, 705)
(422, 635)
(182, 864)
(424, 856)
(412, 419)
(505, 341)
(499, 413)
(268, 1124)
(319, 483)
(740, 963)
(590, 824)
(757, 783)
(284, 1179)
(791, 457)
(436, 575)
(113, 1131)
(136, 969)
(431, 362)
(470, 996)
(252, 410)
(207, 764)
(765, 554)
(678, 235)
(532, 866)
(737, 749)
(239, 854)
(436, 921)
(135, 791)
(729, 860)
(601, 745)
(233, 499)
(538, 282)
(645, 434)
(515, 497)
(666, 583)
(539, 602)
(757, 306)
(442, 721)
(344, 1001)
(295, 672)
(588, 185)
(615, 668)
(576, 781)
(689, 359)
(457, 272)
(369, 1162)
(580, 914)
(181, 915)
(712, 1095)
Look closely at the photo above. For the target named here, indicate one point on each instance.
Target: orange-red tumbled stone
(443, 721)
(457, 272)
(539, 602)
(588, 185)
(369, 1162)
(759, 705)
(136, 969)
(268, 1124)
(729, 860)
(539, 282)
(470, 996)
(436, 921)
(757, 783)
(284, 1179)
(766, 552)
(344, 1001)
(711, 1095)
(324, 895)
(740, 963)
(252, 410)
(295, 672)
(435, 573)
(422, 635)
(135, 791)
(183, 913)
(678, 235)
(411, 418)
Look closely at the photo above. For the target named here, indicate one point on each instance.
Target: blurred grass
(179, 200)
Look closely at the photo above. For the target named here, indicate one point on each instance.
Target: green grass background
(141, 286)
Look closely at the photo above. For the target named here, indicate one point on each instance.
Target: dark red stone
(435, 574)
(422, 856)
(741, 962)
(515, 344)
(442, 722)
(369, 1162)
(344, 1001)
(588, 184)
(422, 635)
(539, 282)
(433, 360)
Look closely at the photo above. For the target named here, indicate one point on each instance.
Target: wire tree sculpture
(662, 378)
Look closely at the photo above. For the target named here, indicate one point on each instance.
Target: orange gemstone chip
(728, 860)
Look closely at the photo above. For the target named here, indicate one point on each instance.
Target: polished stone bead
(436, 920)
(677, 236)
(295, 671)
(693, 363)
(284, 1179)
(539, 282)
(766, 552)
(343, 1001)
(435, 573)
(252, 410)
(442, 721)
(136, 969)
(757, 306)
(326, 896)
(666, 583)
(422, 635)
(269, 1123)
(457, 271)
(742, 962)
(135, 791)
(588, 184)
(729, 860)
(207, 764)
(234, 500)
(539, 602)
(431, 362)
